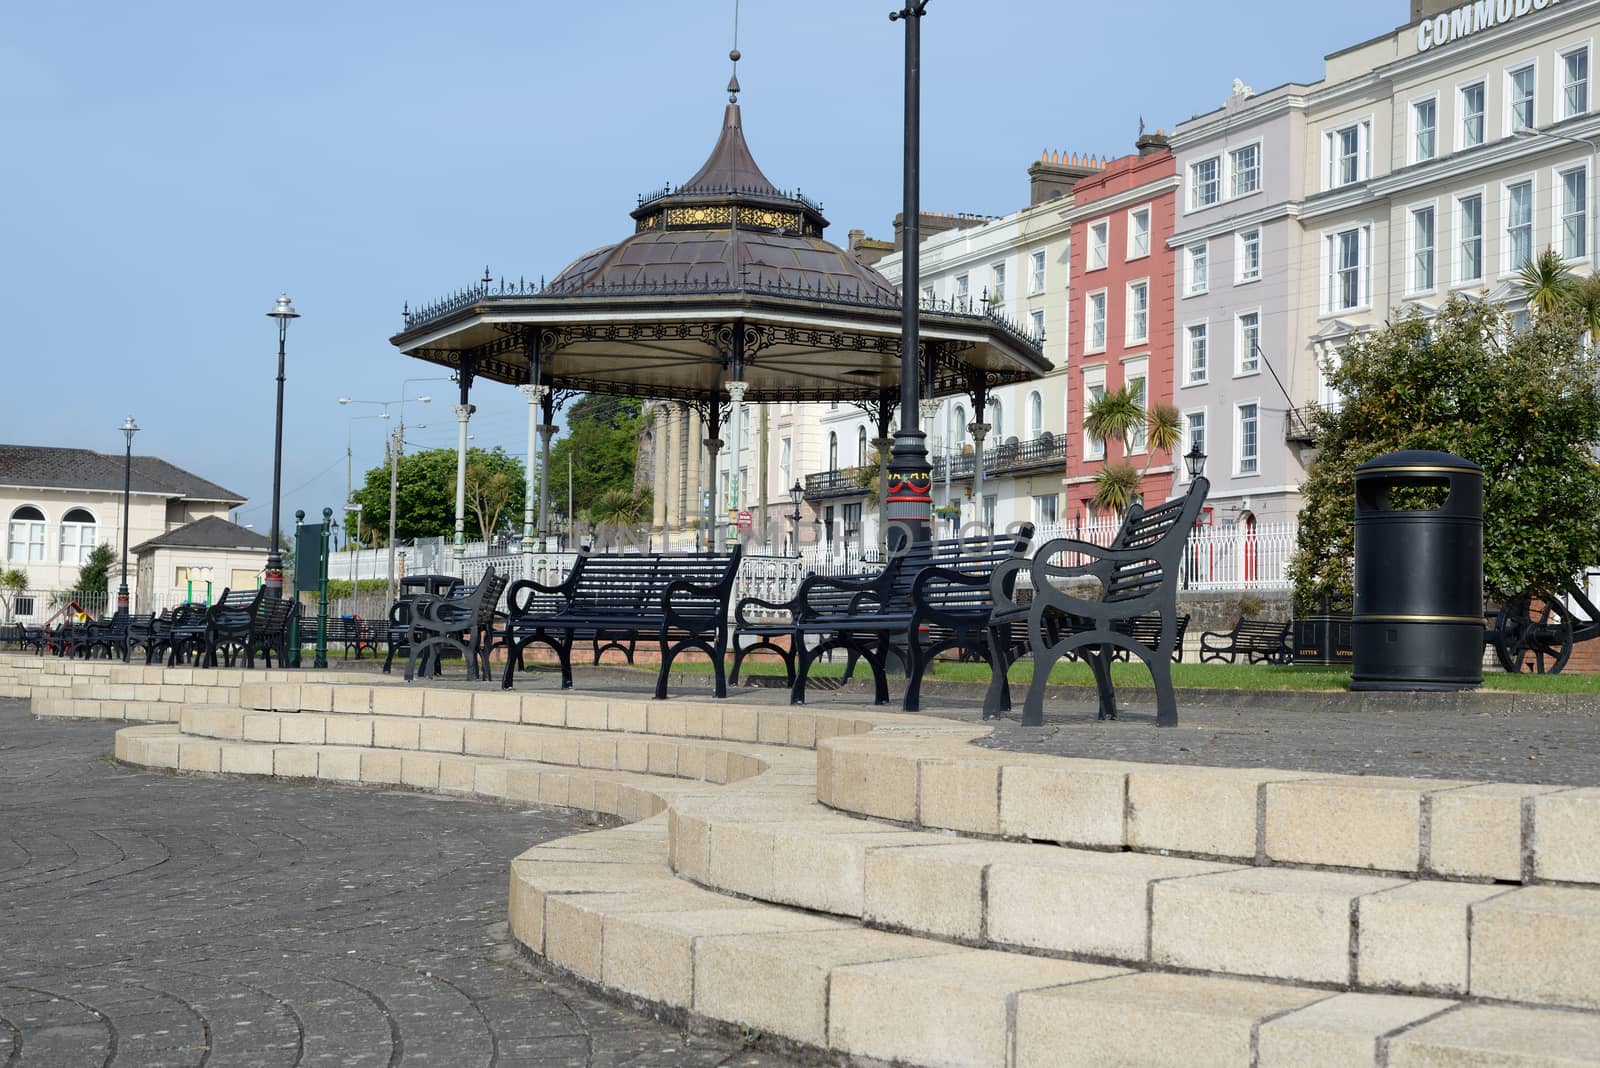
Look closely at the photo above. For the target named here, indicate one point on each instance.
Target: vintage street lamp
(797, 493)
(282, 311)
(129, 429)
(1194, 461)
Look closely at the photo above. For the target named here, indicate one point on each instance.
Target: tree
(1523, 404)
(602, 441)
(494, 483)
(1115, 416)
(95, 574)
(1548, 282)
(425, 501)
(622, 508)
(12, 583)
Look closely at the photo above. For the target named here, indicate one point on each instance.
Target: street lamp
(797, 493)
(282, 311)
(1526, 133)
(129, 428)
(1194, 461)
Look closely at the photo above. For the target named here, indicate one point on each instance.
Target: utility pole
(394, 493)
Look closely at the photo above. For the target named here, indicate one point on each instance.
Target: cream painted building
(58, 504)
(1441, 157)
(196, 562)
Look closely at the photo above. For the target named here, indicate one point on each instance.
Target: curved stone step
(671, 756)
(605, 907)
(933, 778)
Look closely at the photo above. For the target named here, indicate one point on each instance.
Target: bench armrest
(756, 602)
(531, 588)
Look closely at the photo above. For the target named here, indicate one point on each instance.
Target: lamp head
(1195, 461)
(283, 309)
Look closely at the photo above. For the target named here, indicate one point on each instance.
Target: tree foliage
(602, 440)
(94, 576)
(1524, 404)
(13, 581)
(1114, 416)
(426, 502)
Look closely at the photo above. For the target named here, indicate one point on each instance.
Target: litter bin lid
(1416, 461)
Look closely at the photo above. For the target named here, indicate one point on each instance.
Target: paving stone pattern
(1433, 740)
(153, 920)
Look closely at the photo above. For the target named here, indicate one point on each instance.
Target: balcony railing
(841, 482)
(1300, 425)
(1044, 451)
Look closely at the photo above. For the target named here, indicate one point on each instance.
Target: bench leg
(1166, 699)
(915, 665)
(1100, 659)
(1033, 705)
(997, 699)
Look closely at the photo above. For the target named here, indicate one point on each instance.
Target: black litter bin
(1418, 620)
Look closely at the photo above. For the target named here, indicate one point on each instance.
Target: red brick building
(1120, 319)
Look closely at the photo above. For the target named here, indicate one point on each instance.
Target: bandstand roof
(656, 314)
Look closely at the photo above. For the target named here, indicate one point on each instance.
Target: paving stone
(1341, 1032)
(1209, 811)
(377, 918)
(1076, 802)
(1416, 937)
(1566, 836)
(1476, 832)
(1538, 944)
(1500, 1036)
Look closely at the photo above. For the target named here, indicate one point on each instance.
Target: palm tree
(622, 508)
(1548, 282)
(1164, 432)
(1114, 416)
(1586, 303)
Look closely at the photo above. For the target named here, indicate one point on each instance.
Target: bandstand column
(692, 497)
(547, 405)
(736, 390)
(707, 516)
(663, 417)
(675, 475)
(979, 431)
(533, 393)
(463, 412)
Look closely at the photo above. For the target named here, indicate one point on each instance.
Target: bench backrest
(236, 610)
(974, 557)
(620, 584)
(273, 618)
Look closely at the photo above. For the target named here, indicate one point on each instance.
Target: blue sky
(171, 167)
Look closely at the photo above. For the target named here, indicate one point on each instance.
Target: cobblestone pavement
(1433, 740)
(153, 920)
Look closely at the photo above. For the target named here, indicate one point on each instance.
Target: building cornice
(1270, 213)
(1148, 191)
(1216, 124)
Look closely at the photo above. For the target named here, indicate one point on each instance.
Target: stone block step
(727, 720)
(605, 907)
(626, 795)
(933, 778)
(671, 756)
(1538, 944)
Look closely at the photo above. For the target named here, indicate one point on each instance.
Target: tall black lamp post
(282, 311)
(910, 497)
(129, 429)
(797, 493)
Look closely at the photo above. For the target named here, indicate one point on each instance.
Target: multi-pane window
(1246, 166)
(1424, 129)
(999, 293)
(833, 450)
(1035, 414)
(1036, 321)
(1471, 111)
(1194, 435)
(1093, 390)
(77, 536)
(1133, 381)
(1139, 233)
(786, 461)
(1249, 255)
(1195, 355)
(1469, 230)
(1138, 312)
(1575, 83)
(1036, 273)
(1046, 510)
(1097, 245)
(861, 446)
(1205, 182)
(1519, 224)
(963, 289)
(27, 534)
(1519, 97)
(927, 294)
(1097, 322)
(1345, 155)
(1249, 360)
(1422, 243)
(1344, 270)
(1199, 272)
(1248, 444)
(1574, 214)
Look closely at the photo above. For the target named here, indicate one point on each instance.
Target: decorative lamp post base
(910, 496)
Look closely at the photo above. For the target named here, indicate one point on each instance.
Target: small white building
(58, 504)
(196, 562)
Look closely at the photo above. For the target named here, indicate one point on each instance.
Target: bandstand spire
(733, 82)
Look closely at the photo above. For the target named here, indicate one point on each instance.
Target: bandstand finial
(733, 82)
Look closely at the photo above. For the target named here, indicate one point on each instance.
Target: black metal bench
(146, 631)
(1259, 641)
(274, 622)
(184, 637)
(767, 621)
(114, 636)
(928, 599)
(357, 634)
(397, 630)
(1138, 574)
(231, 625)
(462, 620)
(677, 600)
(1146, 629)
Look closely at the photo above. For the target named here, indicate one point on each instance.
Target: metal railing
(1300, 424)
(840, 482)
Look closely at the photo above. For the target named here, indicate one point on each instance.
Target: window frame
(1507, 85)
(1558, 208)
(1189, 259)
(1461, 142)
(1457, 279)
(1134, 370)
(1239, 470)
(1507, 265)
(1414, 129)
(1034, 414)
(1189, 377)
(1103, 246)
(1562, 55)
(1128, 335)
(1240, 351)
(1094, 377)
(1195, 185)
(1232, 180)
(1089, 344)
(1332, 245)
(1188, 436)
(77, 527)
(997, 275)
(1239, 277)
(1036, 272)
(1333, 155)
(1410, 288)
(1036, 322)
(1149, 231)
(34, 539)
